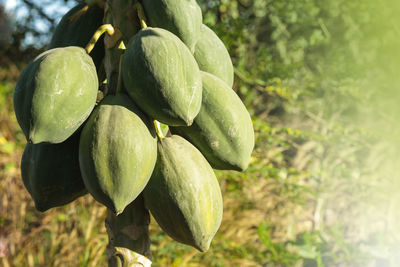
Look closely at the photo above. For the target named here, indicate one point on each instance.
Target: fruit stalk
(157, 127)
(102, 29)
(141, 15)
(129, 243)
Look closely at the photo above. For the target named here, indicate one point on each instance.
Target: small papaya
(183, 194)
(76, 29)
(117, 152)
(223, 130)
(181, 17)
(55, 94)
(162, 76)
(212, 56)
(51, 173)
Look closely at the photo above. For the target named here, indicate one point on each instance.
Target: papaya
(212, 56)
(55, 94)
(51, 173)
(162, 77)
(223, 130)
(76, 29)
(183, 194)
(117, 152)
(181, 17)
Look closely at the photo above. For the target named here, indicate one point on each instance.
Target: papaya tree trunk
(129, 243)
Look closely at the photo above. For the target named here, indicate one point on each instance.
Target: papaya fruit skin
(51, 173)
(117, 152)
(181, 17)
(183, 194)
(223, 130)
(212, 56)
(55, 94)
(79, 31)
(162, 77)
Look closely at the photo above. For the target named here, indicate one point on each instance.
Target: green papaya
(51, 173)
(76, 29)
(212, 56)
(162, 77)
(223, 130)
(181, 17)
(117, 152)
(183, 194)
(55, 94)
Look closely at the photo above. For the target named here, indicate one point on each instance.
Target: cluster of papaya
(176, 72)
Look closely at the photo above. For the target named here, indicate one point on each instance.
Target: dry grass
(67, 236)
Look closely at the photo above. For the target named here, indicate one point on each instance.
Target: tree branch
(39, 10)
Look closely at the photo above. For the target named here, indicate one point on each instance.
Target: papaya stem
(83, 10)
(141, 15)
(119, 83)
(128, 234)
(78, 14)
(157, 127)
(108, 28)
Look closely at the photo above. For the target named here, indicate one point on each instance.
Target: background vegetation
(320, 79)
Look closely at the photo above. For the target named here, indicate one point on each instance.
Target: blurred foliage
(32, 22)
(320, 81)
